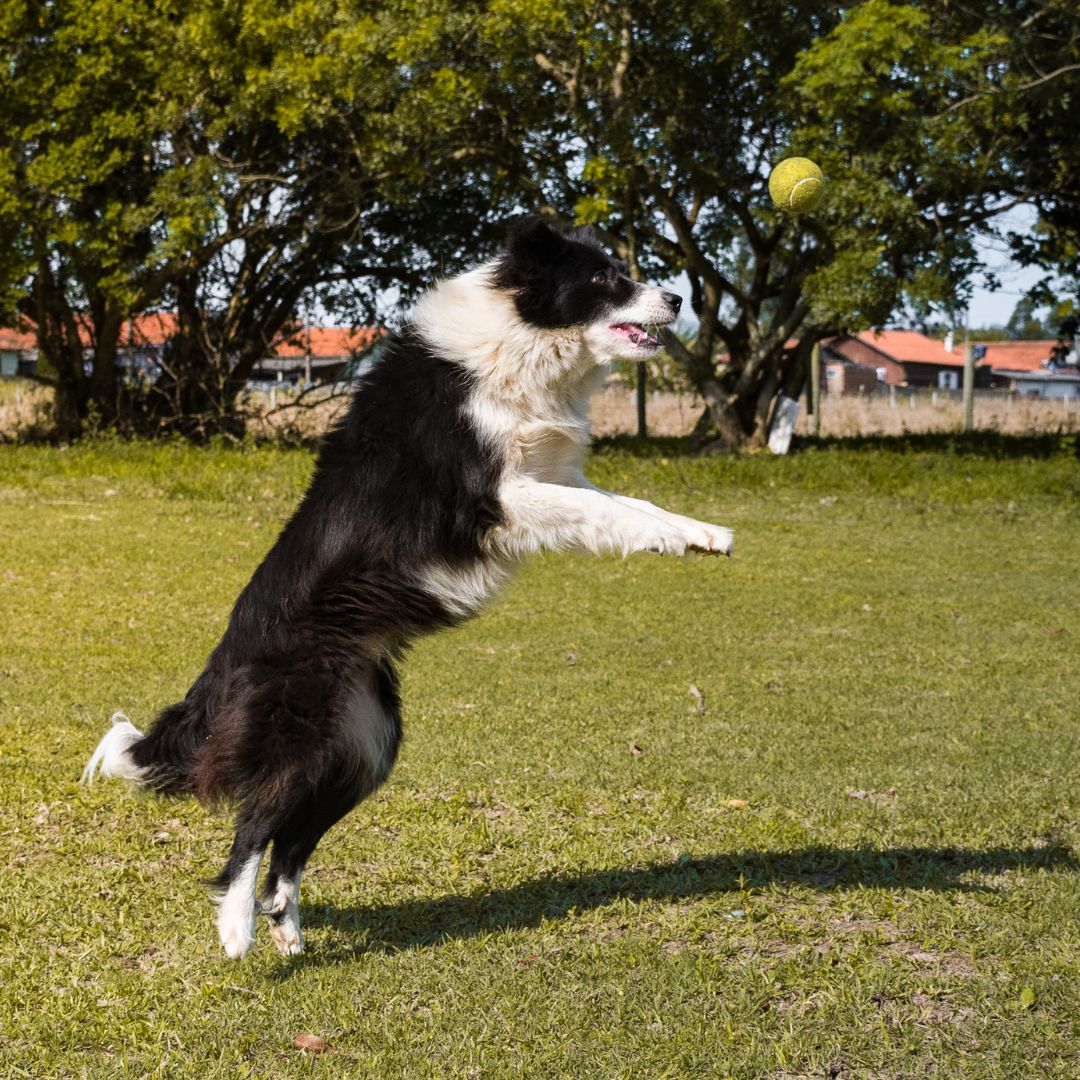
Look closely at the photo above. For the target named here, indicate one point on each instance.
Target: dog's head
(569, 281)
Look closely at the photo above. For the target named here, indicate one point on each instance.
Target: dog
(460, 454)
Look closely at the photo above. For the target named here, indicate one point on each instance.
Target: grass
(858, 860)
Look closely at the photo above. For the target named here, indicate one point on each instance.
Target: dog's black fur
(588, 281)
(404, 530)
(401, 483)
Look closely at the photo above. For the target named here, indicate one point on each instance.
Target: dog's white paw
(287, 937)
(237, 933)
(285, 928)
(237, 907)
(283, 911)
(667, 541)
(714, 540)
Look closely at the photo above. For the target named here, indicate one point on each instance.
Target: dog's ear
(586, 234)
(533, 240)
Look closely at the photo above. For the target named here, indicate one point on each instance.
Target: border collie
(460, 454)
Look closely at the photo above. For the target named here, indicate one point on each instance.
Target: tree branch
(1022, 88)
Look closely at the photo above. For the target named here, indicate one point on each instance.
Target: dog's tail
(163, 759)
(113, 754)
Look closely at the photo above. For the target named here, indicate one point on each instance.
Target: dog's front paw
(285, 929)
(667, 542)
(712, 539)
(287, 937)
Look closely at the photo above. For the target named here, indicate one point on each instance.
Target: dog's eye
(599, 278)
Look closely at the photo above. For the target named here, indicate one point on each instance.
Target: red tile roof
(319, 341)
(152, 329)
(157, 327)
(911, 347)
(327, 341)
(1018, 355)
(17, 340)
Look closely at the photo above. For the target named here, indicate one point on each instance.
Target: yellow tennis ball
(796, 185)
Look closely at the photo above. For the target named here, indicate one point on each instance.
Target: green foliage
(978, 104)
(272, 157)
(661, 126)
(279, 161)
(910, 185)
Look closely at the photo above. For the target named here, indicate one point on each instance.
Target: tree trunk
(764, 408)
(59, 343)
(68, 410)
(105, 388)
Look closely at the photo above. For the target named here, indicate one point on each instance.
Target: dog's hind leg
(236, 904)
(369, 729)
(294, 842)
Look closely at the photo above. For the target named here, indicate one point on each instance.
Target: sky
(994, 308)
(987, 308)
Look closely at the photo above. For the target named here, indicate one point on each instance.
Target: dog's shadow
(418, 923)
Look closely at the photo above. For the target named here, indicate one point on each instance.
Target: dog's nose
(674, 299)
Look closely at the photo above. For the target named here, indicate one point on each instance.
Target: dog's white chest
(464, 591)
(551, 453)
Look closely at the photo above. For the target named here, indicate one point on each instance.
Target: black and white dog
(460, 454)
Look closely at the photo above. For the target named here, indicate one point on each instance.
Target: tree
(281, 160)
(1035, 96)
(329, 120)
(661, 124)
(76, 222)
(335, 148)
(1024, 324)
(1020, 105)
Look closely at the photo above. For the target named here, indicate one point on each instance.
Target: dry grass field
(25, 413)
(614, 412)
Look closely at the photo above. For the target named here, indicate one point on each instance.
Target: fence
(906, 411)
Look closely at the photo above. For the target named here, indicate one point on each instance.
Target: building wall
(856, 352)
(850, 379)
(1047, 388)
(928, 375)
(17, 362)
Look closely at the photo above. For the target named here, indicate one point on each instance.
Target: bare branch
(1010, 89)
(675, 215)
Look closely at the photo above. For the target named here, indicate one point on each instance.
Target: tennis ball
(796, 185)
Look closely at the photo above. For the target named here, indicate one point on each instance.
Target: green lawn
(853, 855)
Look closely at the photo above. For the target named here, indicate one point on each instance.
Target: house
(903, 358)
(1033, 368)
(142, 342)
(18, 353)
(317, 354)
(305, 354)
(849, 378)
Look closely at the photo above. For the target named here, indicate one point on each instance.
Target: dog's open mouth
(636, 334)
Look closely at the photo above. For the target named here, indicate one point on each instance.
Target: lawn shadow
(984, 443)
(996, 445)
(417, 923)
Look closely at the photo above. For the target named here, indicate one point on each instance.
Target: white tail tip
(110, 757)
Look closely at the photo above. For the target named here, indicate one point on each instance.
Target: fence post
(969, 387)
(642, 430)
(815, 389)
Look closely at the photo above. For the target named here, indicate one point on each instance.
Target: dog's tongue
(635, 333)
